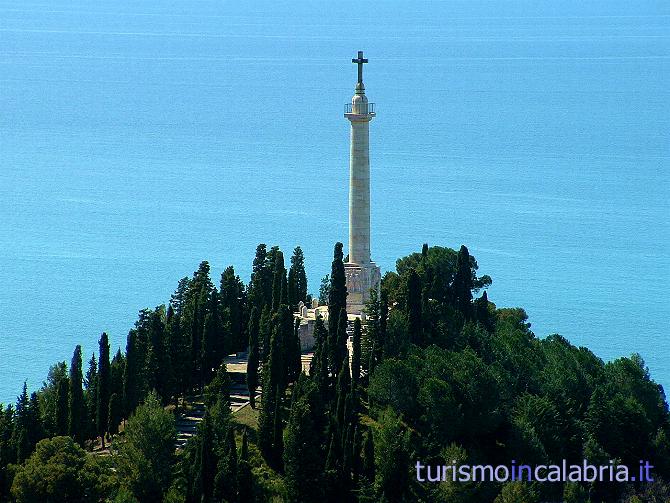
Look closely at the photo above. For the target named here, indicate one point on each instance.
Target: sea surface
(138, 138)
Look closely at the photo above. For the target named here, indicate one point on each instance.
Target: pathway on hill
(192, 408)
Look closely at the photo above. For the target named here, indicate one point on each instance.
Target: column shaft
(359, 193)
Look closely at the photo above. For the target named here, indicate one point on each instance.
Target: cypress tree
(265, 332)
(206, 459)
(116, 372)
(233, 303)
(347, 454)
(303, 456)
(340, 350)
(278, 351)
(133, 375)
(297, 279)
(414, 301)
(324, 290)
(356, 466)
(257, 286)
(76, 407)
(356, 354)
(20, 436)
(337, 299)
(36, 430)
(343, 391)
(157, 362)
(368, 457)
(198, 297)
(279, 282)
(61, 412)
(244, 476)
(319, 365)
(225, 482)
(266, 416)
(102, 407)
(383, 323)
(371, 338)
(292, 295)
(335, 490)
(178, 345)
(462, 285)
(115, 413)
(253, 358)
(294, 353)
(483, 314)
(212, 346)
(278, 435)
(91, 383)
(272, 391)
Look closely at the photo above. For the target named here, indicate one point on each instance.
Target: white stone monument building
(361, 272)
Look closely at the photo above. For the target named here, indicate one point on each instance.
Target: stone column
(361, 272)
(359, 182)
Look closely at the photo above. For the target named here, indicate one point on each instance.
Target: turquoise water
(138, 138)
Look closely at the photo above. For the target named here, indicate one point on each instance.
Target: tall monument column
(362, 274)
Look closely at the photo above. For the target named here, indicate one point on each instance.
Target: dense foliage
(435, 373)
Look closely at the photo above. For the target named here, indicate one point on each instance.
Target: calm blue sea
(138, 138)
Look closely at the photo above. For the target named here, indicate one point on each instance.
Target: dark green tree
(356, 354)
(303, 457)
(297, 279)
(225, 481)
(324, 290)
(104, 378)
(279, 282)
(265, 332)
(7, 449)
(61, 412)
(371, 342)
(117, 368)
(198, 297)
(59, 470)
(463, 283)
(115, 414)
(273, 386)
(484, 313)
(213, 346)
(319, 365)
(158, 359)
(337, 300)
(260, 287)
(133, 376)
(414, 308)
(254, 357)
(21, 436)
(342, 412)
(48, 398)
(514, 492)
(338, 343)
(91, 396)
(392, 458)
(294, 355)
(368, 457)
(178, 341)
(77, 427)
(144, 458)
(244, 475)
(284, 360)
(233, 307)
(278, 435)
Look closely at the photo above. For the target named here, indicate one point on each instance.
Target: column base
(361, 278)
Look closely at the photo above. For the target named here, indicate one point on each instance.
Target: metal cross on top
(359, 61)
